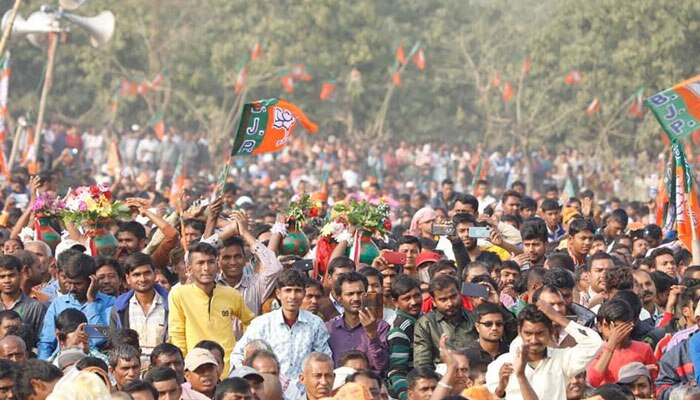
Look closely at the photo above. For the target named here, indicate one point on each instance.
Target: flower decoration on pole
(47, 205)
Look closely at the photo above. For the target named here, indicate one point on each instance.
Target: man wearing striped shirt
(405, 291)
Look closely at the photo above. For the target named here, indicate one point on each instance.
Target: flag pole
(53, 44)
(8, 28)
(21, 125)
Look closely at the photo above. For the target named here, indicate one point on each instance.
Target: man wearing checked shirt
(292, 333)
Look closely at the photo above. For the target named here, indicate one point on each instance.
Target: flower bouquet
(93, 208)
(87, 204)
(46, 207)
(367, 218)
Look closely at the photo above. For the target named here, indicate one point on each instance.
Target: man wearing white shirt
(548, 369)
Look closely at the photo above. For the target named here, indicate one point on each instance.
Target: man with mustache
(648, 293)
(449, 316)
(358, 328)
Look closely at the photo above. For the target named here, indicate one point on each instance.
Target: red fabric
(428, 304)
(661, 346)
(636, 351)
(324, 249)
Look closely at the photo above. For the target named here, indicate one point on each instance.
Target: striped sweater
(675, 369)
(400, 340)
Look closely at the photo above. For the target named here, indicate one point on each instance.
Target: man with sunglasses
(490, 325)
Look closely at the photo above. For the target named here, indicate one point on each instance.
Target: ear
(277, 293)
(301, 378)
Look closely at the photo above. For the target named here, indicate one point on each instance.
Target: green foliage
(201, 46)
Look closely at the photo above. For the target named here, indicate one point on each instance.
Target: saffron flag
(288, 83)
(326, 90)
(157, 122)
(508, 92)
(573, 77)
(527, 64)
(267, 126)
(178, 183)
(4, 90)
(419, 59)
(594, 107)
(637, 108)
(240, 79)
(686, 199)
(677, 109)
(256, 52)
(496, 80)
(396, 78)
(400, 54)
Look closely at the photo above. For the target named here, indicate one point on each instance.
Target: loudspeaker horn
(100, 27)
(38, 22)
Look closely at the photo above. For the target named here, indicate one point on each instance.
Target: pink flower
(82, 207)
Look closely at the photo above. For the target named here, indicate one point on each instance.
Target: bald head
(273, 388)
(13, 348)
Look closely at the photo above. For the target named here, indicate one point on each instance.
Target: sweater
(635, 352)
(195, 316)
(675, 369)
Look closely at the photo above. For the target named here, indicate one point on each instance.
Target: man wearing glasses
(490, 326)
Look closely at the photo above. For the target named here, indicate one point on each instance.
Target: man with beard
(554, 366)
(405, 291)
(144, 308)
(597, 265)
(131, 235)
(580, 240)
(449, 316)
(358, 328)
(291, 332)
(534, 234)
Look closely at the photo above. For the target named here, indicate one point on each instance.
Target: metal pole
(48, 78)
(8, 28)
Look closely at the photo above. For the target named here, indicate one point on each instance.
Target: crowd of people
(483, 288)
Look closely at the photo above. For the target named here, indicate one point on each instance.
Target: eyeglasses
(488, 324)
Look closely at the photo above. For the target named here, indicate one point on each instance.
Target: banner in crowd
(678, 112)
(678, 109)
(267, 126)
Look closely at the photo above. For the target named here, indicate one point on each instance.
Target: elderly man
(14, 349)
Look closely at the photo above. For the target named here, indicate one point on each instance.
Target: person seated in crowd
(201, 371)
(36, 380)
(124, 365)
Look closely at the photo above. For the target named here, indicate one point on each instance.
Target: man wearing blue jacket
(144, 308)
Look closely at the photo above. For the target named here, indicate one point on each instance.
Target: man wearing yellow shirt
(204, 310)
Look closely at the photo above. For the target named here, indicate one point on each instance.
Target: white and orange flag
(4, 90)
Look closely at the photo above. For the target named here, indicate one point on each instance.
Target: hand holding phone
(97, 331)
(374, 302)
(480, 232)
(475, 290)
(394, 257)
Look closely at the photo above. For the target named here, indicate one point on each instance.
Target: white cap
(135, 128)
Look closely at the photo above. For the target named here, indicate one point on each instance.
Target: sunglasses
(488, 324)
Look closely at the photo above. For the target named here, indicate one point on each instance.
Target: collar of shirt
(23, 298)
(278, 317)
(339, 323)
(242, 284)
(70, 299)
(440, 316)
(157, 300)
(405, 315)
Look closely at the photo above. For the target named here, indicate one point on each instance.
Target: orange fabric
(400, 54)
(478, 393)
(396, 78)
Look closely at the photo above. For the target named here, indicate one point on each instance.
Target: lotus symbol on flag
(283, 119)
